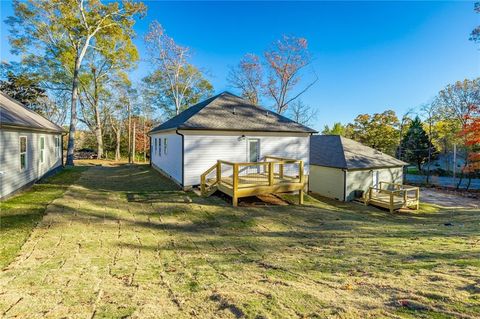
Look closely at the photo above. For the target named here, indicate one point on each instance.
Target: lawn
(124, 242)
(21, 213)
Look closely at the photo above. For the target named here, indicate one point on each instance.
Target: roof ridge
(343, 151)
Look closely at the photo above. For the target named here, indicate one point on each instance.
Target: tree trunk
(133, 141)
(129, 135)
(118, 134)
(73, 116)
(99, 137)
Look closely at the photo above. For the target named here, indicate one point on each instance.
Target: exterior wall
(11, 177)
(170, 163)
(363, 179)
(327, 181)
(203, 149)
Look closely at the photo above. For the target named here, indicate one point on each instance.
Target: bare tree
(247, 77)
(285, 61)
(302, 113)
(175, 76)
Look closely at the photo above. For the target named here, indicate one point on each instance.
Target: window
(57, 147)
(160, 146)
(156, 146)
(23, 152)
(165, 146)
(42, 149)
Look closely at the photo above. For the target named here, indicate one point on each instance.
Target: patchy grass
(124, 242)
(20, 214)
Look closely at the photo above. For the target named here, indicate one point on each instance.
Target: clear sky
(368, 56)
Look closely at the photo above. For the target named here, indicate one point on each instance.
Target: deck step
(209, 191)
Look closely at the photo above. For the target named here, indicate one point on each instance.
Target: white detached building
(30, 146)
(224, 127)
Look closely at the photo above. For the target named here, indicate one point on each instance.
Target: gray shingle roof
(340, 152)
(13, 113)
(227, 111)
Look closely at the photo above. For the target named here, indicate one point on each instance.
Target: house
(343, 169)
(31, 146)
(224, 127)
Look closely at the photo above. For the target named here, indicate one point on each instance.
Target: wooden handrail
(203, 177)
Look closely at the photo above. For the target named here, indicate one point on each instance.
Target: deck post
(280, 170)
(202, 184)
(391, 202)
(300, 196)
(300, 171)
(270, 173)
(235, 185)
(405, 197)
(219, 172)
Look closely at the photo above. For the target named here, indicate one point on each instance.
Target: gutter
(183, 156)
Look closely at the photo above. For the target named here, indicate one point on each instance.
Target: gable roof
(228, 112)
(340, 152)
(15, 114)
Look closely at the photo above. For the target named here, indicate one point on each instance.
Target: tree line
(417, 137)
(76, 57)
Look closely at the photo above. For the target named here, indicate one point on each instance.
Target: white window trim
(248, 148)
(42, 158)
(57, 147)
(20, 153)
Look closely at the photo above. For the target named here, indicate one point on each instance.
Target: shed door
(253, 150)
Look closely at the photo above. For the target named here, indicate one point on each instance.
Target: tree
(101, 70)
(302, 113)
(337, 129)
(64, 31)
(157, 90)
(176, 81)
(416, 144)
(247, 77)
(456, 101)
(471, 134)
(379, 131)
(26, 88)
(284, 62)
(475, 35)
(430, 111)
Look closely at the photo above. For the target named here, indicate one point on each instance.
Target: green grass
(20, 213)
(124, 242)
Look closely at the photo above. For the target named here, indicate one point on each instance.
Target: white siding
(327, 181)
(363, 179)
(12, 178)
(170, 163)
(202, 151)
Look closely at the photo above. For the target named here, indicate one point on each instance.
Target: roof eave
(36, 129)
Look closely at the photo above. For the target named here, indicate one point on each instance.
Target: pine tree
(415, 144)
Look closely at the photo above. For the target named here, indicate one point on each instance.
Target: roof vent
(234, 110)
(267, 113)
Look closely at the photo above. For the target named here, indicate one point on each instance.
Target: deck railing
(393, 196)
(268, 174)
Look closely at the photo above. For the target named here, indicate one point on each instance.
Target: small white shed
(224, 127)
(30, 146)
(342, 168)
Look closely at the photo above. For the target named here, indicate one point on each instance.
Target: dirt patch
(447, 199)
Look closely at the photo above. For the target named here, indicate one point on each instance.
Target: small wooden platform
(393, 196)
(254, 178)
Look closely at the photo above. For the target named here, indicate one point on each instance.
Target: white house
(224, 127)
(30, 146)
(342, 168)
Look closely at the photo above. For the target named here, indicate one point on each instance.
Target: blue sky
(368, 56)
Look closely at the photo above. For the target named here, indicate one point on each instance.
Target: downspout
(150, 159)
(183, 157)
(344, 185)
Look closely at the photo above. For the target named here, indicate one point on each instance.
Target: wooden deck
(273, 175)
(393, 196)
